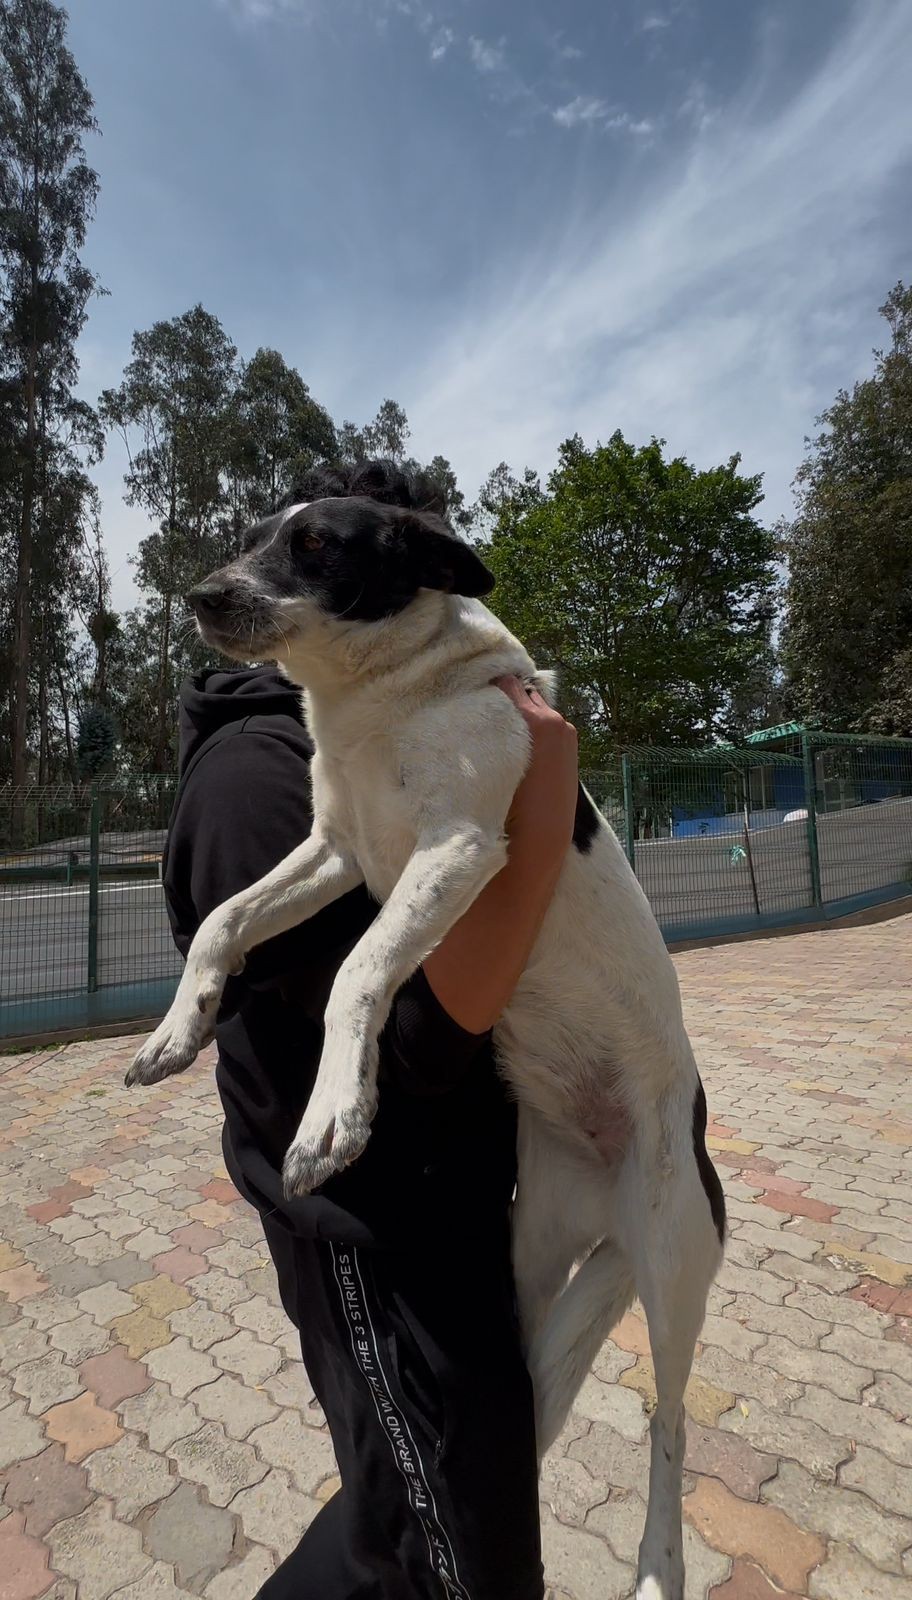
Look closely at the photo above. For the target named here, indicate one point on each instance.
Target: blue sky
(520, 218)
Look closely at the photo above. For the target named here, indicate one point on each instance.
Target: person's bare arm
(475, 969)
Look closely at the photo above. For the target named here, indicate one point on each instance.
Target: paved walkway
(157, 1434)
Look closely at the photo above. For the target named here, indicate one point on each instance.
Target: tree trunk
(164, 690)
(67, 726)
(22, 640)
(43, 740)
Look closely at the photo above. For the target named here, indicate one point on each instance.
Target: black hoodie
(442, 1152)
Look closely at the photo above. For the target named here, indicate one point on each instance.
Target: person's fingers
(512, 688)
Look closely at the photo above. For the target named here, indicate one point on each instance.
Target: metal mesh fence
(864, 813)
(81, 906)
(711, 843)
(720, 839)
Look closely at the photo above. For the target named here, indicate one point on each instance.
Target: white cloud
(651, 23)
(721, 307)
(569, 52)
(441, 42)
(696, 107)
(256, 11)
(586, 110)
(487, 57)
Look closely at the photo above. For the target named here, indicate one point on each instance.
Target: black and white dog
(373, 609)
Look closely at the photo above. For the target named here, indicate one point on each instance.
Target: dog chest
(364, 803)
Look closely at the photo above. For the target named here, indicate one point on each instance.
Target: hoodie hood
(213, 700)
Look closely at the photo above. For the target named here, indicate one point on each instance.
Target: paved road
(44, 928)
(44, 937)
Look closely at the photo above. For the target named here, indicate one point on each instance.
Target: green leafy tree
(645, 582)
(173, 411)
(277, 431)
(387, 435)
(849, 599)
(47, 197)
(96, 743)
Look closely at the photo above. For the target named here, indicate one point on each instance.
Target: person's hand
(475, 969)
(544, 806)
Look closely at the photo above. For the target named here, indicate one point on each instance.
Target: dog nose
(207, 596)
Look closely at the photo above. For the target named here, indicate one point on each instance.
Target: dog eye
(310, 541)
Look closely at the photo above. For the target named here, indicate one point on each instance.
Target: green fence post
(94, 853)
(810, 801)
(629, 813)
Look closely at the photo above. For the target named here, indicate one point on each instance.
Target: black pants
(414, 1357)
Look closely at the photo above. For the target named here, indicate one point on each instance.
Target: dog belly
(594, 1036)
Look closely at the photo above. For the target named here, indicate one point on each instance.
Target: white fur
(417, 760)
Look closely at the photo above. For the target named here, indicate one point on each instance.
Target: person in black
(397, 1272)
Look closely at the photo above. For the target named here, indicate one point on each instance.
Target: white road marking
(12, 896)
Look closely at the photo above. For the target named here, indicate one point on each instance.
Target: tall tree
(173, 411)
(388, 434)
(849, 598)
(47, 196)
(277, 432)
(644, 581)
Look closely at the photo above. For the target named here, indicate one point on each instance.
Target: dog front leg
(439, 883)
(311, 877)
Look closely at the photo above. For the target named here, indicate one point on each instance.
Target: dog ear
(440, 560)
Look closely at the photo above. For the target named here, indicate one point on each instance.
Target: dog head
(350, 558)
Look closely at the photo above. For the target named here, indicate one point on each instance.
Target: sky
(522, 219)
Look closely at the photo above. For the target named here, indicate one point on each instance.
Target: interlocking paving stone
(82, 1426)
(160, 1417)
(49, 1310)
(46, 1382)
(21, 1343)
(585, 1560)
(46, 1488)
(130, 1476)
(24, 1571)
(763, 1533)
(156, 1584)
(114, 1377)
(274, 1514)
(135, 1241)
(195, 1538)
(221, 1464)
(21, 1436)
(101, 1553)
(243, 1579)
(239, 1408)
(140, 1331)
(247, 1356)
(160, 1296)
(840, 1513)
(202, 1326)
(845, 1575)
(304, 1453)
(79, 1339)
(181, 1367)
(721, 1455)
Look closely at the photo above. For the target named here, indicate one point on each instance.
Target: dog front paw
(177, 1041)
(324, 1144)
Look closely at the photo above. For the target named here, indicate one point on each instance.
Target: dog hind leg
(574, 1331)
(675, 1264)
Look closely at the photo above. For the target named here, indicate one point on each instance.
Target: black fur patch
(361, 559)
(586, 822)
(708, 1174)
(363, 542)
